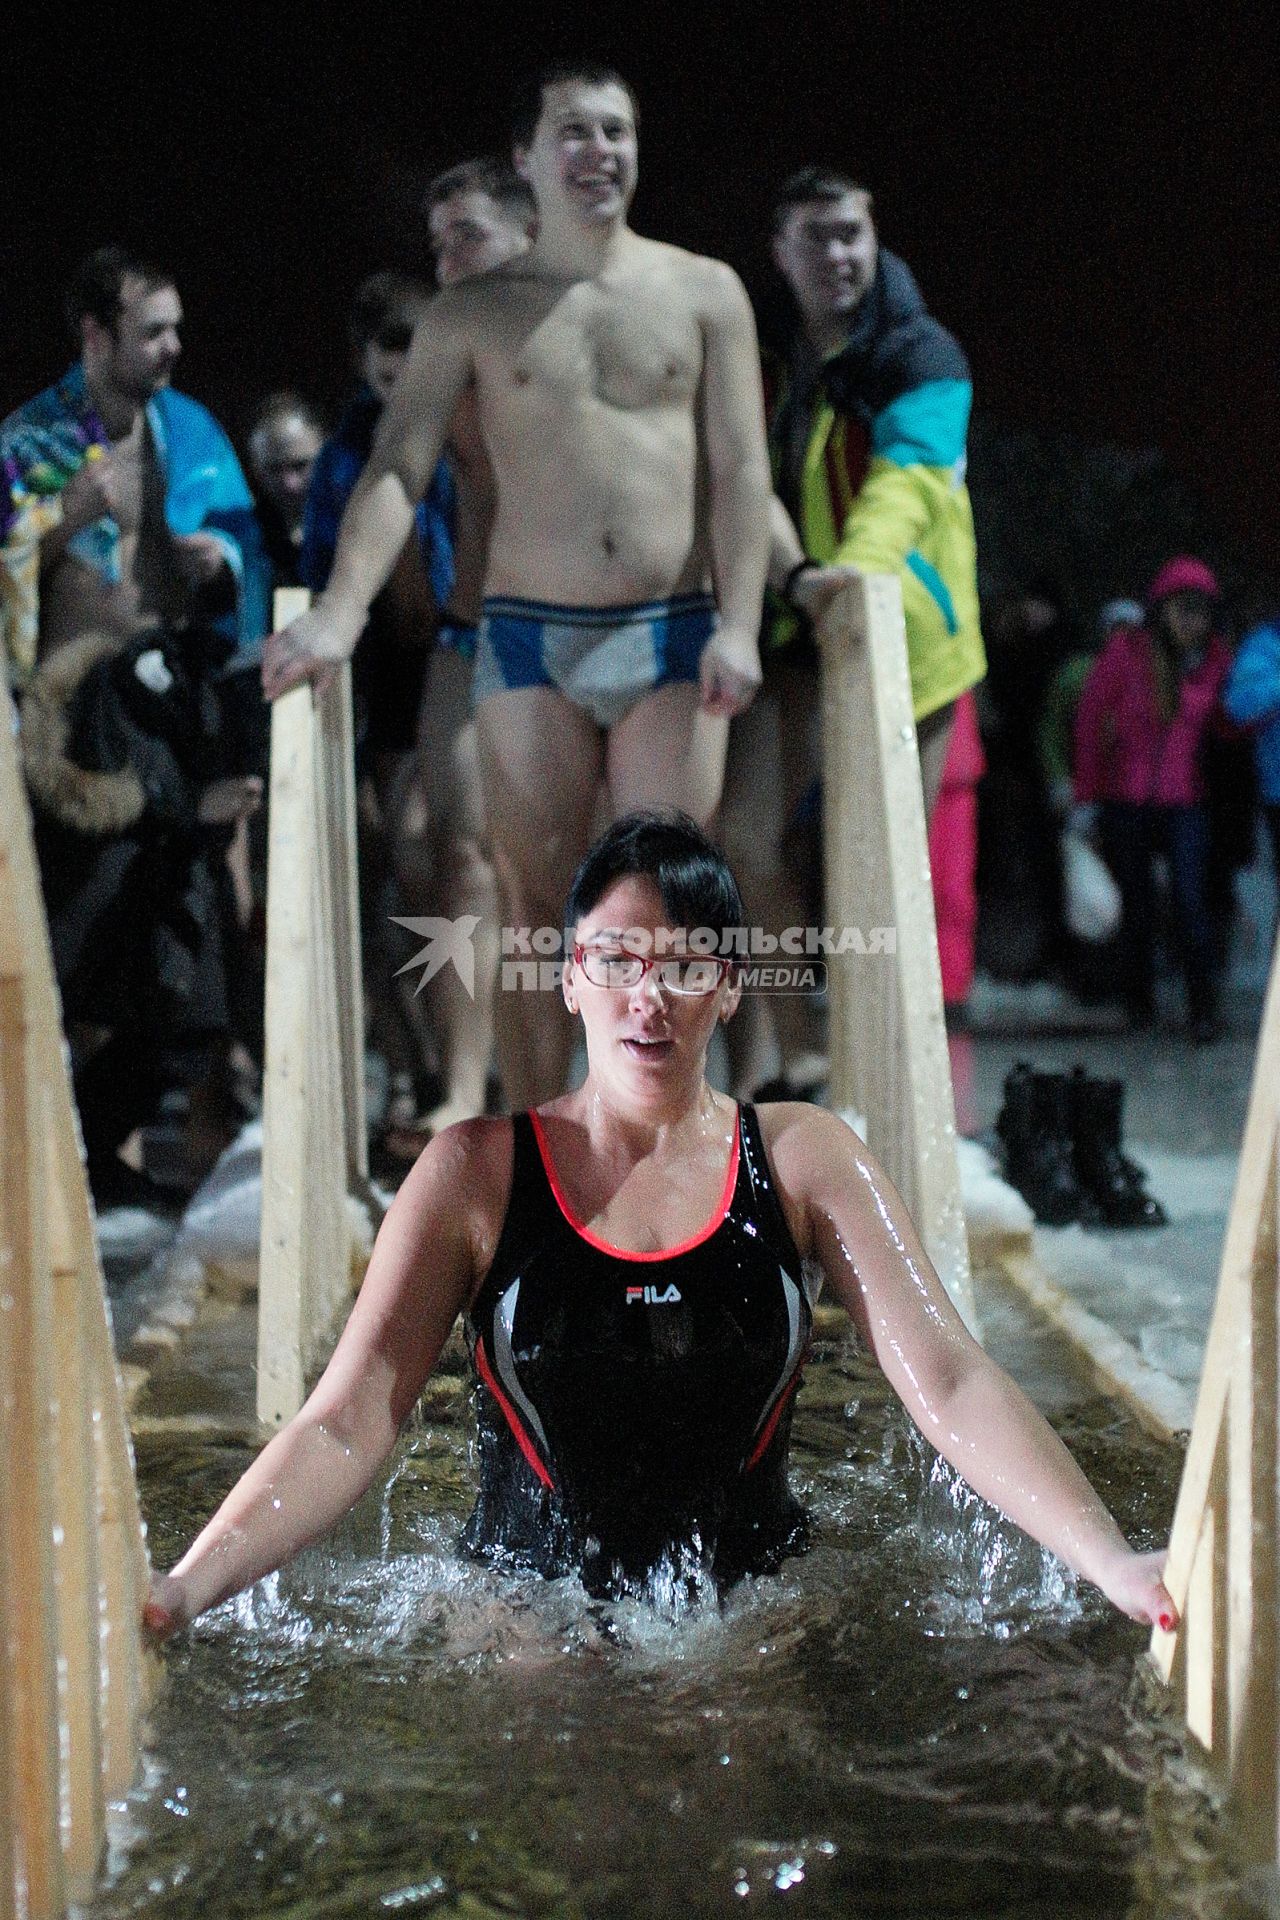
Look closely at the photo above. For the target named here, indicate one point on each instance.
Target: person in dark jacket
(284, 439)
(388, 669)
(136, 793)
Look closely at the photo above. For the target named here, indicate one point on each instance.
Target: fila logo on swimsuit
(650, 1297)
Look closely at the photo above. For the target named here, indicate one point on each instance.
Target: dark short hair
(527, 104)
(381, 301)
(813, 183)
(96, 286)
(685, 864)
(493, 174)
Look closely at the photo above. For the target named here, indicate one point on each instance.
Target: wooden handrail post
(1223, 1661)
(73, 1566)
(888, 1039)
(314, 1149)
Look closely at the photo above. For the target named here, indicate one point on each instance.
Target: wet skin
(617, 383)
(641, 1149)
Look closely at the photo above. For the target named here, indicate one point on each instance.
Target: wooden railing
(888, 1039)
(314, 1153)
(1223, 1661)
(73, 1565)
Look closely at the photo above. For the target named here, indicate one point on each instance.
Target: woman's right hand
(167, 1609)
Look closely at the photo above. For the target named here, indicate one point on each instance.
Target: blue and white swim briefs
(604, 659)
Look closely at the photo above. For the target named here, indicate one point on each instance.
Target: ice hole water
(922, 1715)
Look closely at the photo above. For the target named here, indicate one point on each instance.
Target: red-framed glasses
(685, 974)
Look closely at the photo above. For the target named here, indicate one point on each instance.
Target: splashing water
(989, 1577)
(922, 1714)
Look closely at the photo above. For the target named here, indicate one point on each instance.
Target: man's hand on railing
(813, 591)
(312, 647)
(224, 802)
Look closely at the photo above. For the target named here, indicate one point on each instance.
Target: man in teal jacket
(142, 511)
(128, 549)
(867, 425)
(867, 432)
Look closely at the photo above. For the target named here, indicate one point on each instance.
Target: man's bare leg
(773, 759)
(392, 881)
(463, 882)
(541, 765)
(668, 753)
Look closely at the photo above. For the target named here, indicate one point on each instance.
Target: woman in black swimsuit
(636, 1262)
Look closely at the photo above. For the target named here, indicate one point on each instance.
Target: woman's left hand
(1136, 1585)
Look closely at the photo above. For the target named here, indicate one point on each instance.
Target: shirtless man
(479, 215)
(154, 507)
(147, 536)
(618, 391)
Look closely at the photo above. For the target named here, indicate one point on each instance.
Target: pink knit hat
(1184, 574)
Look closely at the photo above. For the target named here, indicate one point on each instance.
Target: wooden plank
(286, 1093)
(1203, 1631)
(340, 794)
(71, 1222)
(76, 1576)
(12, 1876)
(889, 1058)
(30, 1601)
(314, 1146)
(338, 789)
(1223, 1661)
(329, 1261)
(1251, 1677)
(1229, 1329)
(99, 1571)
(127, 1675)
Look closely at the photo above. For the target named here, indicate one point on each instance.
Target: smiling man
(617, 388)
(146, 558)
(154, 519)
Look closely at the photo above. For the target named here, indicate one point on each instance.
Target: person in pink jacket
(1147, 705)
(953, 852)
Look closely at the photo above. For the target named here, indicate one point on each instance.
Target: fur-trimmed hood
(87, 802)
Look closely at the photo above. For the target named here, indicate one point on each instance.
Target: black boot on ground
(1035, 1129)
(1116, 1184)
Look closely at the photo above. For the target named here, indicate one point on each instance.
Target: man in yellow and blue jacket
(867, 431)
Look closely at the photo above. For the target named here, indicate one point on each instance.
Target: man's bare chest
(634, 350)
(135, 483)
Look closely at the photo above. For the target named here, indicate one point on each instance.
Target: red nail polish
(1166, 1623)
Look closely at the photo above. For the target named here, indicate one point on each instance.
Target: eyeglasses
(618, 968)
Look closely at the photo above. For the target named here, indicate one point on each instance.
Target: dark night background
(1088, 196)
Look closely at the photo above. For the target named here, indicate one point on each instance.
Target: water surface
(924, 1715)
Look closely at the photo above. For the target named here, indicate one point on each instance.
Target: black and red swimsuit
(635, 1408)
